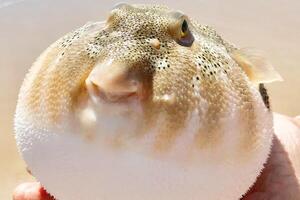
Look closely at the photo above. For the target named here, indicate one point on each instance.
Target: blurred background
(27, 27)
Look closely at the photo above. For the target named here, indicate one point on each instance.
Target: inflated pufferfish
(147, 105)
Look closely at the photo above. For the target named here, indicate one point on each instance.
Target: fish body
(147, 105)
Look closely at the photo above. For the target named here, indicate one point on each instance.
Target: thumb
(31, 191)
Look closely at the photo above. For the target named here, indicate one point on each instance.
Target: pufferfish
(147, 105)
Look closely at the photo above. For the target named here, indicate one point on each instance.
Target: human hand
(31, 191)
(278, 179)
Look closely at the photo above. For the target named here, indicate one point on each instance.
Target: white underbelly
(71, 168)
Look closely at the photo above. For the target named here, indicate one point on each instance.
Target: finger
(31, 191)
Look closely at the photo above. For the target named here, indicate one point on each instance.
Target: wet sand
(28, 27)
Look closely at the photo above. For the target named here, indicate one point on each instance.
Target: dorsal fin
(258, 69)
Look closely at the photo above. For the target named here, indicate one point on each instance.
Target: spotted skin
(182, 82)
(206, 66)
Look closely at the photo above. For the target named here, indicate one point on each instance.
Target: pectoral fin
(258, 69)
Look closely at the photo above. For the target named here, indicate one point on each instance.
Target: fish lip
(118, 98)
(111, 98)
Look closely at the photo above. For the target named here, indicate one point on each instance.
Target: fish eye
(186, 37)
(179, 29)
(184, 28)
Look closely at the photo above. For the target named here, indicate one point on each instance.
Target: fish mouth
(114, 98)
(111, 82)
(124, 96)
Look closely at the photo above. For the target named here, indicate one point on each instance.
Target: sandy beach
(27, 27)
